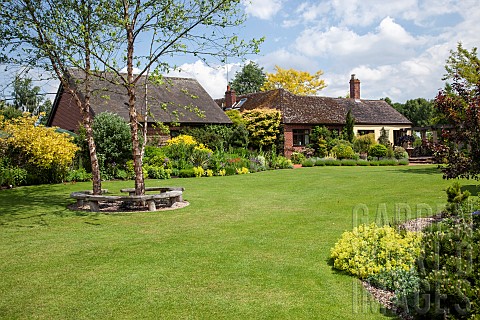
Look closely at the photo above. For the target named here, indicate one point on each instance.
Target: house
(300, 114)
(175, 102)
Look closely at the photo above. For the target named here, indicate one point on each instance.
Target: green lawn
(247, 247)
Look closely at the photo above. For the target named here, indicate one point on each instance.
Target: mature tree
(420, 112)
(250, 79)
(460, 105)
(465, 65)
(109, 33)
(297, 82)
(27, 97)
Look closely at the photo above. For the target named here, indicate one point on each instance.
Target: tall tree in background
(420, 112)
(459, 103)
(463, 65)
(249, 80)
(27, 98)
(296, 82)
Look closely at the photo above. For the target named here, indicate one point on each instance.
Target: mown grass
(247, 247)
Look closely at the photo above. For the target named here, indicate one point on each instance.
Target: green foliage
(457, 201)
(449, 272)
(383, 138)
(343, 150)
(263, 126)
(347, 131)
(220, 137)
(12, 176)
(400, 153)
(459, 149)
(113, 141)
(420, 112)
(377, 150)
(297, 157)
(235, 116)
(157, 172)
(463, 64)
(249, 80)
(187, 173)
(78, 175)
(320, 140)
(362, 143)
(27, 98)
(308, 163)
(404, 283)
(9, 112)
(369, 250)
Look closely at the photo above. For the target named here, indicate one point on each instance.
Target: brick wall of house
(68, 115)
(288, 136)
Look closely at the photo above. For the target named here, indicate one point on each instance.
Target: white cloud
(212, 78)
(262, 9)
(387, 43)
(285, 59)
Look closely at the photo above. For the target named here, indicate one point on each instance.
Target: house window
(301, 137)
(364, 132)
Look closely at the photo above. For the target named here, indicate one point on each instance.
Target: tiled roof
(181, 100)
(322, 110)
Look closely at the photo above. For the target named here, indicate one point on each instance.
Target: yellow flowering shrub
(370, 249)
(243, 170)
(38, 145)
(198, 171)
(182, 139)
(184, 151)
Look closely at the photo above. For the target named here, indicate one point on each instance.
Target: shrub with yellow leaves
(370, 249)
(37, 147)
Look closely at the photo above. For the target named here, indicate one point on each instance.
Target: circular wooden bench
(171, 197)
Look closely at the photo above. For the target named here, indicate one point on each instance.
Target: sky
(397, 48)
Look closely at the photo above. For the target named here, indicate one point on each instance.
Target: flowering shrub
(198, 171)
(243, 170)
(369, 249)
(43, 152)
(186, 152)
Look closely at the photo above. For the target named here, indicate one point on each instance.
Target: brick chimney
(354, 88)
(230, 98)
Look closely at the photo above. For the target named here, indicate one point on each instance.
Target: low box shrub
(349, 162)
(308, 163)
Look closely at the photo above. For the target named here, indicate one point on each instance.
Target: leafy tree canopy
(249, 80)
(297, 82)
(420, 112)
(459, 103)
(465, 65)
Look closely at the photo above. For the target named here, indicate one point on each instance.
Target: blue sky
(397, 48)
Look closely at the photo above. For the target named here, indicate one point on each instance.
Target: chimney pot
(354, 88)
(230, 98)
